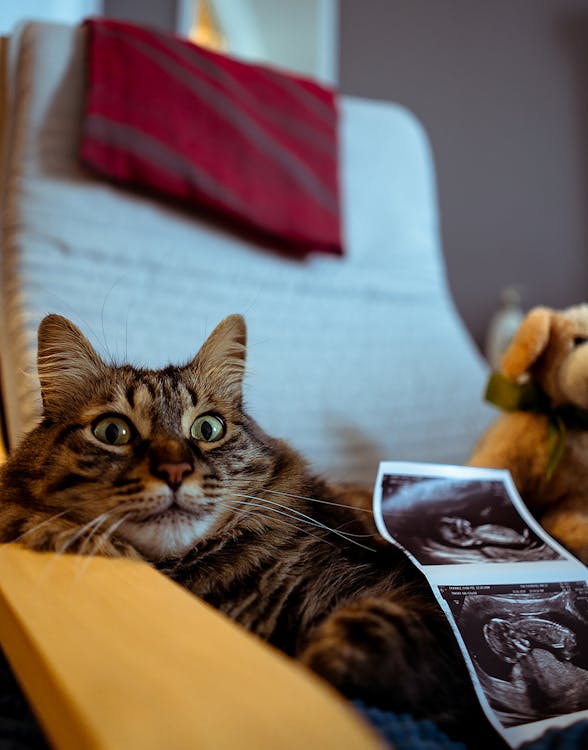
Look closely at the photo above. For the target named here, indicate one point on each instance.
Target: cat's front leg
(385, 653)
(53, 533)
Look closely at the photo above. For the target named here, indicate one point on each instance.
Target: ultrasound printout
(516, 599)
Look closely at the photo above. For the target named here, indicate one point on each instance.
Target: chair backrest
(353, 360)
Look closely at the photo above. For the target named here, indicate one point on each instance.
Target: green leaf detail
(510, 396)
(556, 442)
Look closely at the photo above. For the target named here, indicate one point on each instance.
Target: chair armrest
(112, 654)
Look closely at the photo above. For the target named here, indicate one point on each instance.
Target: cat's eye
(579, 340)
(208, 428)
(112, 430)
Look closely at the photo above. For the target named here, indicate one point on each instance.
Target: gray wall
(161, 14)
(502, 89)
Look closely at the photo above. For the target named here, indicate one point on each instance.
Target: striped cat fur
(167, 466)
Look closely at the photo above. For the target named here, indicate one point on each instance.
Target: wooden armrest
(112, 654)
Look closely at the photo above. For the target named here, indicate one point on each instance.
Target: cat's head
(164, 454)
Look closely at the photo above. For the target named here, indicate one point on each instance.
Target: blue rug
(406, 733)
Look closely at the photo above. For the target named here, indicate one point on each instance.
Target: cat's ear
(222, 356)
(66, 362)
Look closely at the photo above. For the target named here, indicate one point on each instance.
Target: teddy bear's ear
(528, 343)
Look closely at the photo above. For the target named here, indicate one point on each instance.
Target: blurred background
(501, 88)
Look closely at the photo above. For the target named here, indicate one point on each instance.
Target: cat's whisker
(303, 515)
(236, 504)
(88, 539)
(37, 526)
(94, 522)
(269, 506)
(308, 519)
(109, 532)
(105, 537)
(240, 504)
(316, 500)
(102, 310)
(63, 548)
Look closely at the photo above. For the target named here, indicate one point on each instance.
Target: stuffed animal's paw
(570, 527)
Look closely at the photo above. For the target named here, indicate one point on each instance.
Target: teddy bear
(542, 438)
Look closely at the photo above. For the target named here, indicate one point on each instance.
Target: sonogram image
(443, 521)
(528, 644)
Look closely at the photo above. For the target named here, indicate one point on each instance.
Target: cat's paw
(374, 647)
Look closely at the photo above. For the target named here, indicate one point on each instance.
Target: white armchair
(353, 360)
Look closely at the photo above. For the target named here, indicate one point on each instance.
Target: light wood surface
(113, 655)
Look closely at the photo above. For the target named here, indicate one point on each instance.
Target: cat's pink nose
(174, 474)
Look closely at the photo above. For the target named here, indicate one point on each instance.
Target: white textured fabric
(352, 360)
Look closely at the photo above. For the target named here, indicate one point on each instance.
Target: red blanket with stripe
(254, 145)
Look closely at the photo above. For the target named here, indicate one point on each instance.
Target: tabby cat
(167, 466)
